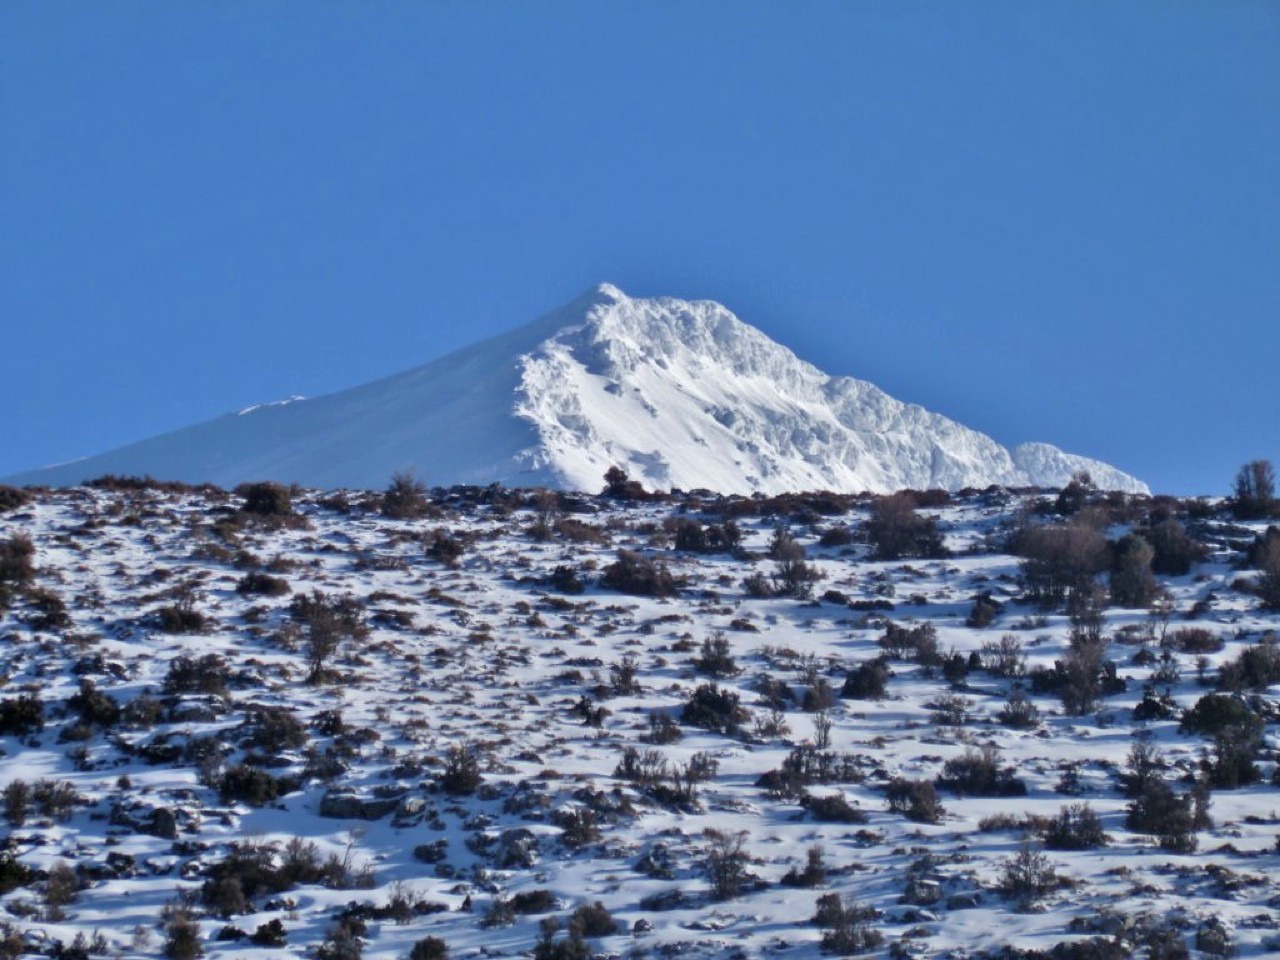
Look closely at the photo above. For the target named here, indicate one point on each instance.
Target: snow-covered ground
(483, 655)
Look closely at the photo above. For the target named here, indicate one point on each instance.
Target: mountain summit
(677, 393)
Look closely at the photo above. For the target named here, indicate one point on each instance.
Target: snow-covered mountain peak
(678, 393)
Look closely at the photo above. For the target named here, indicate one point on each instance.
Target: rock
(516, 848)
(348, 806)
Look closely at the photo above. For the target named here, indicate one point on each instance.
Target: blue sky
(1050, 221)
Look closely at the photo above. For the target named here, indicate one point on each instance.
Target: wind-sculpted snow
(677, 393)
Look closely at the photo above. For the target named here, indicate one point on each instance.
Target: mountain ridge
(678, 393)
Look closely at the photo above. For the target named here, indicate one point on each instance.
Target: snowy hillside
(311, 730)
(679, 394)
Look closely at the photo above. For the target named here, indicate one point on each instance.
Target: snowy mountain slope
(680, 394)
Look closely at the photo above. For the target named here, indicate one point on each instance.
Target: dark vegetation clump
(1255, 668)
(867, 681)
(253, 786)
(977, 773)
(638, 575)
(807, 765)
(690, 536)
(12, 498)
(205, 675)
(716, 659)
(405, 498)
(846, 926)
(17, 567)
(461, 775)
(1059, 558)
(256, 583)
(21, 715)
(714, 708)
(1076, 827)
(266, 499)
(1254, 494)
(984, 611)
(919, 643)
(896, 531)
(618, 486)
(915, 799)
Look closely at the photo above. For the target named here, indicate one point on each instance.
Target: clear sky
(1049, 221)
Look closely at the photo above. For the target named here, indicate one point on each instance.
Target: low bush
(1027, 875)
(984, 611)
(429, 948)
(919, 643)
(1076, 827)
(896, 531)
(1172, 818)
(977, 773)
(11, 498)
(846, 926)
(833, 808)
(533, 901)
(639, 576)
(867, 681)
(253, 786)
(405, 498)
(716, 659)
(1192, 640)
(915, 799)
(461, 775)
(262, 584)
(712, 708)
(22, 715)
(1018, 712)
(1217, 712)
(266, 499)
(207, 675)
(593, 920)
(1256, 668)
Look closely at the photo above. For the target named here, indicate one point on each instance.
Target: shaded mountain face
(677, 393)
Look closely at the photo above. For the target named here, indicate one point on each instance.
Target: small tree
(915, 799)
(1076, 827)
(182, 934)
(1059, 558)
(618, 486)
(461, 776)
(1268, 582)
(1027, 875)
(895, 530)
(429, 948)
(1132, 584)
(1174, 549)
(329, 621)
(17, 567)
(1254, 496)
(266, 499)
(1004, 657)
(1073, 497)
(716, 659)
(793, 576)
(725, 863)
(846, 926)
(405, 498)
